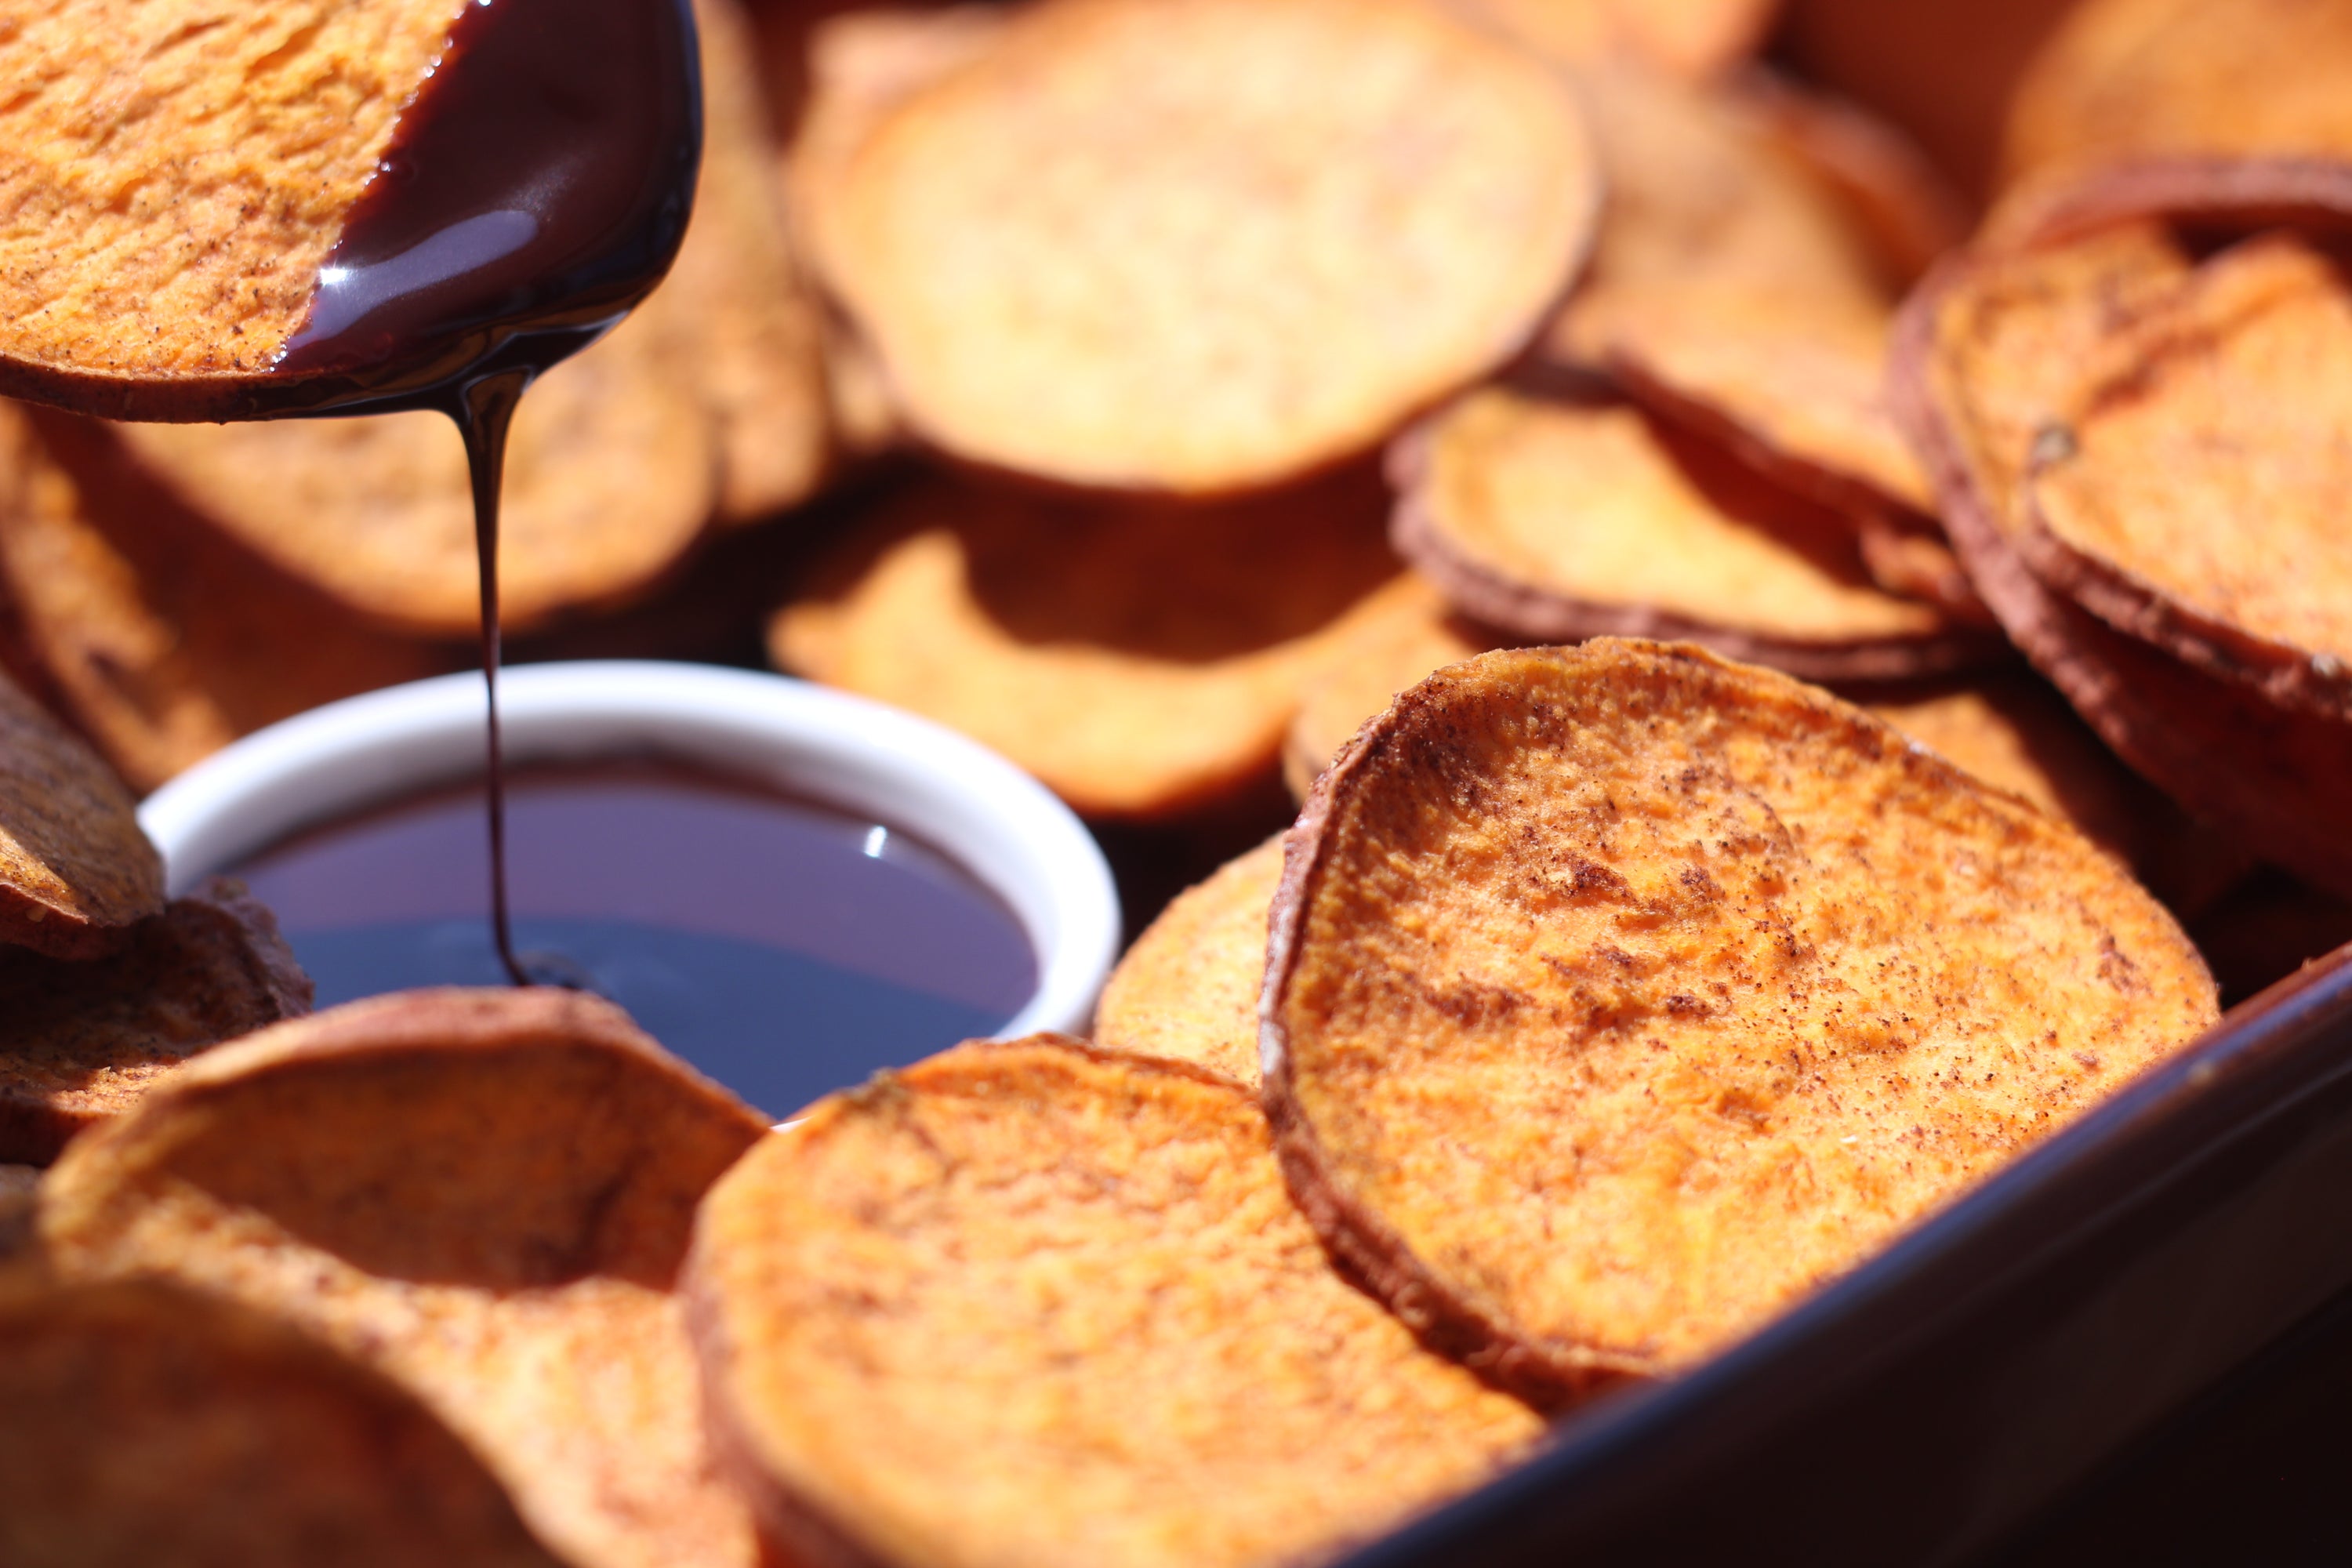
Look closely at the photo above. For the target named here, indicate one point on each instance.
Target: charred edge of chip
(2034, 615)
(1365, 1247)
(2238, 191)
(1532, 614)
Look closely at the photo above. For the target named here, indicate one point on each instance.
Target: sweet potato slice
(1121, 249)
(76, 872)
(1988, 354)
(2194, 495)
(176, 175)
(1618, 996)
(161, 638)
(1034, 1303)
(484, 1197)
(610, 477)
(86, 1040)
(1142, 660)
(1557, 521)
(1187, 990)
(141, 1423)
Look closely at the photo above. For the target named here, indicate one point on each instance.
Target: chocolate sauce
(785, 948)
(536, 188)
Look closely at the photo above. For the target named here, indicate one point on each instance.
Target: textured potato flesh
(2124, 79)
(1601, 506)
(610, 476)
(1024, 1304)
(1138, 658)
(1637, 993)
(141, 1425)
(164, 641)
(481, 1195)
(75, 869)
(175, 172)
(86, 1039)
(2212, 471)
(1124, 249)
(1188, 989)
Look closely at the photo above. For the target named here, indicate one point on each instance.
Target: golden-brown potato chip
(87, 1040)
(1033, 1303)
(1989, 356)
(141, 1423)
(1141, 658)
(1690, 38)
(484, 1196)
(2205, 79)
(162, 640)
(1187, 990)
(176, 173)
(1558, 521)
(2194, 496)
(610, 475)
(1618, 996)
(75, 869)
(1122, 249)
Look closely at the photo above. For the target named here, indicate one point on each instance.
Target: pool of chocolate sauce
(783, 947)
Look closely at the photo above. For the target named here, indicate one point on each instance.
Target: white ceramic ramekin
(994, 820)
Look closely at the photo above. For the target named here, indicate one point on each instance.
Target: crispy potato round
(1187, 989)
(76, 872)
(144, 1424)
(1410, 630)
(86, 1040)
(2195, 499)
(1557, 521)
(610, 476)
(176, 173)
(1142, 660)
(1989, 356)
(1618, 996)
(163, 640)
(1121, 248)
(484, 1196)
(1034, 1303)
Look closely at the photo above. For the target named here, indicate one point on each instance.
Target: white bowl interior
(989, 817)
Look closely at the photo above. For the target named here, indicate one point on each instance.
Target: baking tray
(1932, 1403)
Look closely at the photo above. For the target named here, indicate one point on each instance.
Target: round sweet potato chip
(1034, 1303)
(1990, 356)
(1557, 521)
(610, 476)
(163, 639)
(1140, 659)
(144, 1424)
(1187, 990)
(1618, 996)
(2194, 495)
(176, 174)
(86, 1039)
(483, 1195)
(75, 869)
(1123, 249)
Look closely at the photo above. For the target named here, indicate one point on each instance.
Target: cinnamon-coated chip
(1989, 355)
(163, 640)
(142, 1423)
(1187, 990)
(484, 1197)
(2194, 495)
(1141, 658)
(76, 872)
(1618, 996)
(1557, 521)
(610, 476)
(1034, 1303)
(176, 175)
(87, 1040)
(1126, 248)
